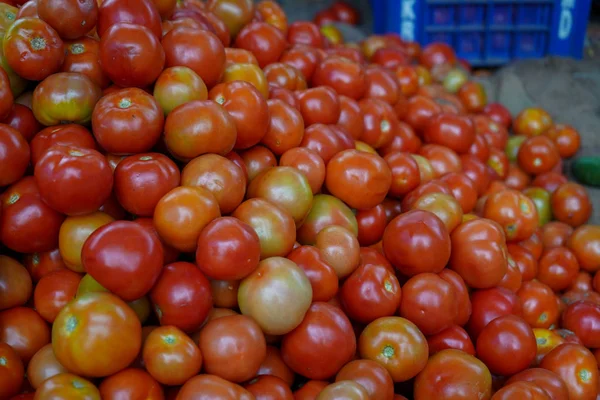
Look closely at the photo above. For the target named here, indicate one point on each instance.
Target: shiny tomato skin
(257, 159)
(178, 85)
(371, 375)
(304, 348)
(521, 390)
(127, 121)
(186, 313)
(12, 370)
(54, 291)
(14, 156)
(42, 366)
(454, 337)
(40, 264)
(571, 204)
(461, 292)
(208, 386)
(547, 380)
(285, 129)
(309, 163)
(264, 40)
(170, 356)
(540, 304)
(379, 122)
(532, 121)
(199, 127)
(577, 367)
(74, 335)
(566, 138)
(371, 225)
(429, 302)
(322, 140)
(322, 276)
(558, 268)
(409, 240)
(506, 336)
(24, 330)
(128, 268)
(222, 177)
(247, 108)
(82, 55)
(33, 49)
(583, 243)
(22, 119)
(498, 113)
(397, 345)
(352, 171)
(489, 304)
(131, 383)
(583, 319)
(139, 12)
(67, 385)
(305, 58)
(452, 374)
(124, 52)
(473, 242)
(65, 97)
(347, 78)
(73, 180)
(15, 283)
(515, 212)
(370, 292)
(70, 19)
(207, 58)
(306, 33)
(27, 223)
(319, 105)
(67, 135)
(232, 335)
(142, 180)
(267, 387)
(455, 132)
(216, 255)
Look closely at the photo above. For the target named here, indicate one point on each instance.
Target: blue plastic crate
(489, 32)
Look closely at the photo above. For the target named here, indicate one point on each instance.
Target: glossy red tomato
(566, 138)
(199, 127)
(73, 180)
(267, 387)
(541, 307)
(33, 49)
(310, 390)
(24, 330)
(309, 163)
(228, 249)
(537, 155)
(42, 366)
(302, 57)
(181, 296)
(66, 135)
(170, 356)
(371, 225)
(461, 293)
(128, 268)
(379, 122)
(532, 122)
(273, 365)
(178, 85)
(453, 374)
(370, 292)
(514, 211)
(571, 204)
(506, 337)
(272, 13)
(370, 375)
(15, 283)
(319, 105)
(453, 131)
(405, 173)
(138, 12)
(221, 176)
(6, 96)
(27, 223)
(557, 268)
(577, 367)
(303, 349)
(489, 304)
(67, 385)
(256, 160)
(345, 76)
(498, 113)
(14, 155)
(247, 108)
(453, 337)
(142, 180)
(199, 50)
(131, 383)
(410, 239)
(550, 382)
(322, 277)
(353, 171)
(22, 119)
(396, 344)
(127, 121)
(125, 49)
(584, 244)
(82, 55)
(232, 336)
(322, 140)
(264, 40)
(40, 264)
(208, 386)
(12, 371)
(54, 291)
(285, 129)
(472, 95)
(583, 319)
(70, 19)
(307, 33)
(555, 234)
(463, 189)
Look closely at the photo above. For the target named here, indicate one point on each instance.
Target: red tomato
(396, 344)
(206, 386)
(14, 155)
(199, 50)
(379, 122)
(453, 131)
(506, 337)
(73, 180)
(310, 390)
(15, 283)
(22, 119)
(514, 211)
(82, 55)
(43, 365)
(319, 105)
(307, 33)
(308, 162)
(256, 160)
(181, 296)
(54, 291)
(583, 319)
(70, 19)
(453, 374)
(371, 225)
(305, 348)
(33, 49)
(304, 58)
(538, 155)
(132, 383)
(584, 244)
(127, 268)
(577, 367)
(453, 337)
(170, 356)
(127, 121)
(232, 336)
(285, 129)
(346, 77)
(541, 307)
(557, 268)
(74, 337)
(12, 371)
(24, 330)
(67, 385)
(498, 113)
(410, 239)
(66, 135)
(370, 375)
(489, 304)
(532, 122)
(547, 380)
(472, 95)
(571, 204)
(138, 12)
(322, 276)
(264, 40)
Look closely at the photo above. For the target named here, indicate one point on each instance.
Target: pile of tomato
(199, 200)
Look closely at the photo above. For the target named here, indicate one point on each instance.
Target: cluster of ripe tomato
(200, 201)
